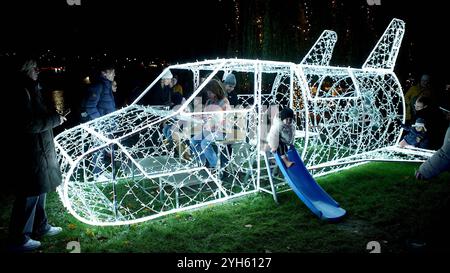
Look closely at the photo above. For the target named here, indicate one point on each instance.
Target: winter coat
(233, 98)
(37, 167)
(410, 97)
(280, 132)
(100, 99)
(216, 122)
(160, 95)
(416, 138)
(439, 162)
(435, 124)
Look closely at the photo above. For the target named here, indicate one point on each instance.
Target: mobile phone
(66, 112)
(445, 110)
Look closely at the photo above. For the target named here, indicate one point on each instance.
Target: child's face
(287, 121)
(166, 82)
(419, 106)
(211, 95)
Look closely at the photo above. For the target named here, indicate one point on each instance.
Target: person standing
(99, 102)
(99, 99)
(413, 93)
(39, 168)
(230, 84)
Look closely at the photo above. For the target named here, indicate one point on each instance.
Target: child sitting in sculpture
(282, 135)
(416, 136)
(176, 133)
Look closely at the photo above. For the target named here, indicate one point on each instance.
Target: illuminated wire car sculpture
(344, 117)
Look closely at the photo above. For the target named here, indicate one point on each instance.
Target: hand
(62, 119)
(273, 150)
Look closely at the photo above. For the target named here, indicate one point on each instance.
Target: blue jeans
(28, 216)
(202, 149)
(167, 132)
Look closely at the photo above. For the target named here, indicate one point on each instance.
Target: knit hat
(230, 79)
(168, 75)
(286, 113)
(425, 77)
(420, 122)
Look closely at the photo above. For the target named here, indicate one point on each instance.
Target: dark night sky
(193, 29)
(170, 28)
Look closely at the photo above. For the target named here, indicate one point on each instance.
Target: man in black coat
(38, 166)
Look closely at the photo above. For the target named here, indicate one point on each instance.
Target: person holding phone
(39, 168)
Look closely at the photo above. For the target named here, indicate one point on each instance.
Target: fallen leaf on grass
(89, 232)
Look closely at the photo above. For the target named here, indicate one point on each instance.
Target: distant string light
(237, 16)
(237, 11)
(370, 21)
(259, 26)
(306, 24)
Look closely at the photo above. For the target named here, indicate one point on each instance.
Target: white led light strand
(120, 169)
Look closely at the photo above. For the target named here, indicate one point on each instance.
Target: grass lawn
(384, 203)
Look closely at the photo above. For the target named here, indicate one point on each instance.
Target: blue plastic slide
(307, 189)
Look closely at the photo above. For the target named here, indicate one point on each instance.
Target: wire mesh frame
(343, 116)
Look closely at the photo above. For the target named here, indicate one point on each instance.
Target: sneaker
(289, 164)
(52, 231)
(30, 245)
(187, 156)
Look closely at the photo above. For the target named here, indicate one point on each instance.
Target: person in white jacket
(282, 134)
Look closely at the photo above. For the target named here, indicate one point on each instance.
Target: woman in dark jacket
(39, 169)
